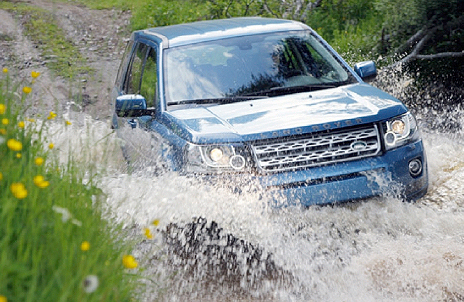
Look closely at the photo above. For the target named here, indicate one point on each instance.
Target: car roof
(201, 31)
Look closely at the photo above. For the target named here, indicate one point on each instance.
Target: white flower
(65, 214)
(90, 283)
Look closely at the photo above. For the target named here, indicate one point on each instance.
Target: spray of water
(216, 245)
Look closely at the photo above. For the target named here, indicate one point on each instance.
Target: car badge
(358, 146)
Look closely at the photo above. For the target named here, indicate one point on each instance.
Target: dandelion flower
(35, 74)
(90, 284)
(148, 233)
(1, 176)
(5, 121)
(39, 161)
(5, 70)
(21, 124)
(129, 261)
(14, 145)
(2, 131)
(40, 182)
(68, 123)
(18, 155)
(3, 298)
(85, 246)
(51, 116)
(2, 108)
(18, 190)
(27, 89)
(156, 222)
(51, 146)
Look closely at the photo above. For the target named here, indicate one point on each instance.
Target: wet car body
(267, 100)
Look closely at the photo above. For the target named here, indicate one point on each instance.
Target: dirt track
(100, 36)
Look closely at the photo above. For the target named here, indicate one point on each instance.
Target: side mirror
(366, 70)
(131, 105)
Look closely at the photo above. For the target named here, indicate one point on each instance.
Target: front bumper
(385, 175)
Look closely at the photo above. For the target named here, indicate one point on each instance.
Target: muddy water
(229, 247)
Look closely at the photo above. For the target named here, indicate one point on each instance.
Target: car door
(140, 77)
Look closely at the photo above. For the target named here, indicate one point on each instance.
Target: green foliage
(154, 13)
(60, 54)
(52, 234)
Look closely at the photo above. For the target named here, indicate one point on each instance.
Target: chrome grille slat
(313, 150)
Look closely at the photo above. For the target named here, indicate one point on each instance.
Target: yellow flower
(1, 176)
(3, 131)
(2, 108)
(35, 74)
(148, 233)
(5, 121)
(39, 161)
(5, 70)
(14, 145)
(18, 190)
(3, 298)
(129, 261)
(51, 146)
(40, 182)
(156, 222)
(18, 155)
(85, 246)
(31, 120)
(27, 89)
(21, 124)
(68, 123)
(51, 116)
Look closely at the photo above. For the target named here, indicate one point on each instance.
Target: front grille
(316, 149)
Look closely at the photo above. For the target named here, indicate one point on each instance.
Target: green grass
(47, 211)
(60, 54)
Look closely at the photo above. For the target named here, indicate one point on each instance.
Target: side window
(142, 75)
(124, 62)
(134, 74)
(149, 78)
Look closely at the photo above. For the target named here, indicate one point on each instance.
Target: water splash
(226, 247)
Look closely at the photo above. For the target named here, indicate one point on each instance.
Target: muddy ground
(100, 35)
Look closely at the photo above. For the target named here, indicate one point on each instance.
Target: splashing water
(214, 245)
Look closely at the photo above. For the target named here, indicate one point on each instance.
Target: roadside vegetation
(59, 54)
(54, 243)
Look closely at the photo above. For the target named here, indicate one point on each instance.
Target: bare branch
(413, 39)
(268, 9)
(441, 55)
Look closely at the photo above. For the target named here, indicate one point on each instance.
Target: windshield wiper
(282, 90)
(222, 100)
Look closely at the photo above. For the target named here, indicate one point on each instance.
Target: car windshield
(256, 66)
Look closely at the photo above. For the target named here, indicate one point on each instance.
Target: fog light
(415, 167)
(390, 138)
(237, 162)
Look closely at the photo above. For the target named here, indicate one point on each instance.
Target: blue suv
(269, 101)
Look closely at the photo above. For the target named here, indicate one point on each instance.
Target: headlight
(400, 130)
(214, 158)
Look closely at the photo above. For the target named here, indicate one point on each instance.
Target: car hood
(285, 115)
